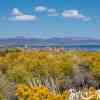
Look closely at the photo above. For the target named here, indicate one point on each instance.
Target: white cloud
(74, 14)
(16, 12)
(17, 15)
(40, 9)
(23, 18)
(52, 12)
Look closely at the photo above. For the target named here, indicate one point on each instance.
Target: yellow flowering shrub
(55, 70)
(23, 92)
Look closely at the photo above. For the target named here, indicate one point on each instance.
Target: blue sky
(49, 18)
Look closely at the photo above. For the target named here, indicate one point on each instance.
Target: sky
(49, 18)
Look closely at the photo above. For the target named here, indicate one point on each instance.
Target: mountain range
(55, 41)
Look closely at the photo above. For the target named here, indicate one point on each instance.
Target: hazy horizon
(49, 37)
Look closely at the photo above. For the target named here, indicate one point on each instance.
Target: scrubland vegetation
(43, 75)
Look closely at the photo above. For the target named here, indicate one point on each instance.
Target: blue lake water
(74, 47)
(84, 47)
(66, 47)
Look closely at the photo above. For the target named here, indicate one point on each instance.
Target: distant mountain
(21, 41)
(73, 40)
